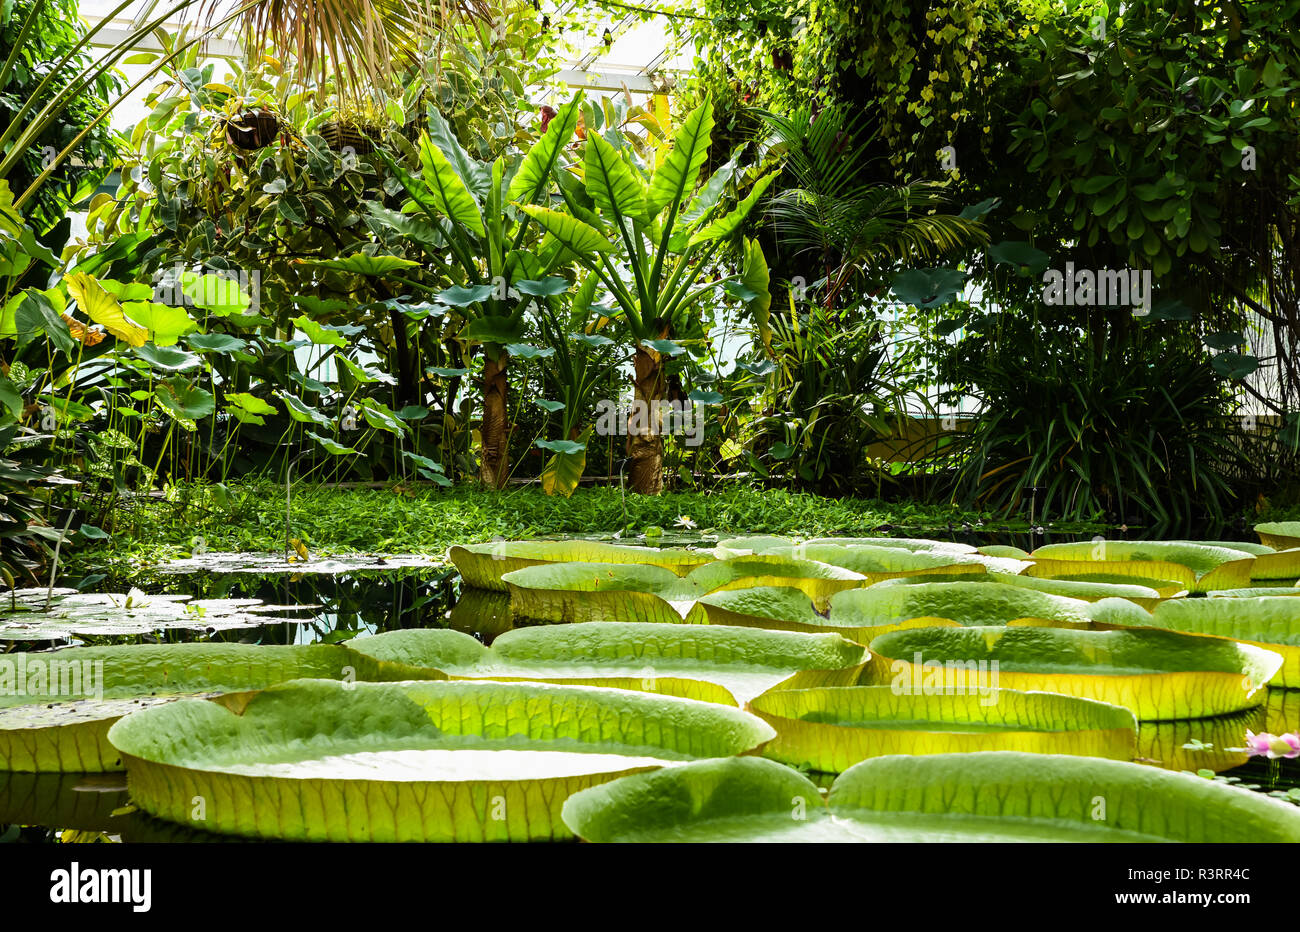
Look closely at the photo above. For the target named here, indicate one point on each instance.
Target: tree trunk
(407, 388)
(494, 468)
(645, 444)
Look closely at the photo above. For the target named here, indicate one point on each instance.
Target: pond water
(89, 807)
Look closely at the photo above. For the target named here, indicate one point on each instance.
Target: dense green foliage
(429, 520)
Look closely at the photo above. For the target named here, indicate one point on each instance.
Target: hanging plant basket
(252, 129)
(344, 136)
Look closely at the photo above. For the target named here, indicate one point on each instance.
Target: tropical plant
(649, 234)
(39, 33)
(473, 236)
(840, 220)
(1080, 425)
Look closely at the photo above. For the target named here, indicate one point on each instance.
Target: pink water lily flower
(1273, 746)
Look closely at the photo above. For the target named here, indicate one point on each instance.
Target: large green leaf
(1144, 596)
(166, 324)
(729, 223)
(763, 544)
(610, 182)
(104, 309)
(831, 729)
(483, 565)
(579, 238)
(464, 761)
(715, 664)
(362, 264)
(1198, 567)
(56, 707)
(450, 195)
(1159, 675)
(1270, 563)
(609, 592)
(534, 175)
(677, 175)
(881, 563)
(880, 609)
(563, 471)
(183, 400)
(1280, 535)
(1270, 622)
(994, 796)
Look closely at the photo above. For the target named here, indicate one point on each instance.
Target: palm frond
(362, 44)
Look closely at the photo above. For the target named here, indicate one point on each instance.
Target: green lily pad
(1198, 567)
(462, 761)
(831, 729)
(1270, 622)
(714, 664)
(762, 544)
(633, 592)
(1083, 590)
(1270, 563)
(872, 612)
(879, 563)
(1280, 535)
(56, 706)
(483, 565)
(993, 796)
(1159, 675)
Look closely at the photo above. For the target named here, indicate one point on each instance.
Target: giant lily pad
(982, 797)
(1157, 674)
(78, 614)
(739, 546)
(465, 761)
(1270, 562)
(634, 592)
(56, 706)
(1280, 535)
(880, 563)
(1164, 588)
(483, 565)
(831, 729)
(875, 611)
(712, 663)
(1197, 567)
(1087, 591)
(1270, 622)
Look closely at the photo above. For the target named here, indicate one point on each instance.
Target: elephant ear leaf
(729, 223)
(534, 174)
(447, 189)
(562, 472)
(570, 232)
(675, 179)
(104, 309)
(610, 182)
(755, 281)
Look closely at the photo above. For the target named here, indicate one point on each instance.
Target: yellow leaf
(104, 309)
